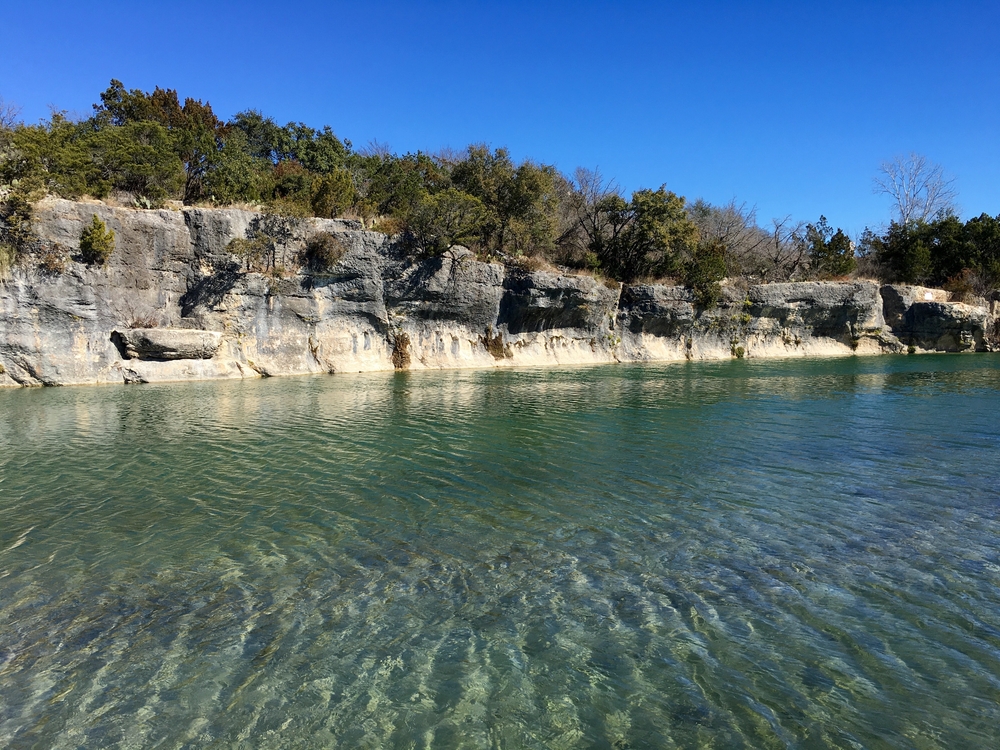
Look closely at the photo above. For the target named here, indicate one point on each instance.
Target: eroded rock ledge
(172, 304)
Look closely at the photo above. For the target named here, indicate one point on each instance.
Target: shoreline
(172, 304)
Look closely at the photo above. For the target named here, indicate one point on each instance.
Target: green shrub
(256, 252)
(97, 242)
(332, 194)
(704, 271)
(323, 251)
(448, 218)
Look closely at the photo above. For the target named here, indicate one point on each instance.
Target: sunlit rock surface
(172, 303)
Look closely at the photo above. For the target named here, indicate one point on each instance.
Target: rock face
(172, 303)
(167, 343)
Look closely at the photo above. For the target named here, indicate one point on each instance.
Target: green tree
(902, 253)
(831, 253)
(317, 150)
(391, 185)
(195, 131)
(704, 270)
(332, 194)
(451, 217)
(55, 157)
(139, 158)
(97, 242)
(234, 175)
(649, 236)
(291, 189)
(520, 202)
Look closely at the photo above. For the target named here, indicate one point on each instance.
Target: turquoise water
(743, 554)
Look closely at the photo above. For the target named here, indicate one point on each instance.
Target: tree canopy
(147, 148)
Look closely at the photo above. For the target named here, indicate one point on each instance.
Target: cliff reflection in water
(744, 554)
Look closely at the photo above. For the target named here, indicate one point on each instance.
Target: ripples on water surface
(744, 554)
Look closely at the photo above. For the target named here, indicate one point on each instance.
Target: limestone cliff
(172, 303)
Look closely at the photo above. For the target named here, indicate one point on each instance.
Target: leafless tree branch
(918, 188)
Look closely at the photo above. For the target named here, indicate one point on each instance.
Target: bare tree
(787, 253)
(734, 226)
(8, 114)
(377, 148)
(919, 189)
(591, 190)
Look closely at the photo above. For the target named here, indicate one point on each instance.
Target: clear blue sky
(789, 106)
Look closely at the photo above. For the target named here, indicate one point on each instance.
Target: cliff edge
(173, 303)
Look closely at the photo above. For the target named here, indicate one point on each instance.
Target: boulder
(924, 319)
(167, 343)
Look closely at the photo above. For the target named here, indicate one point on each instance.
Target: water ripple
(746, 554)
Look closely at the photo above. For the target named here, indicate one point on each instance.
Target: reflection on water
(744, 554)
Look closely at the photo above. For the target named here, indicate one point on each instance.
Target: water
(744, 554)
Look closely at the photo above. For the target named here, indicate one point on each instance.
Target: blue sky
(789, 106)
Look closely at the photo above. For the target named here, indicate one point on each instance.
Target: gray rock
(540, 301)
(183, 308)
(924, 318)
(167, 343)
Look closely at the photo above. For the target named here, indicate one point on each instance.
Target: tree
(830, 253)
(649, 236)
(520, 202)
(97, 242)
(9, 113)
(235, 175)
(389, 185)
(918, 188)
(902, 252)
(139, 158)
(195, 131)
(451, 217)
(333, 193)
(704, 270)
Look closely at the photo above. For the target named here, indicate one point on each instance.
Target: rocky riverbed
(173, 303)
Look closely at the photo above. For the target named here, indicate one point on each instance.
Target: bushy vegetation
(146, 149)
(97, 242)
(961, 257)
(323, 251)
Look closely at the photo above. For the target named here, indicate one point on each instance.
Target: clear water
(745, 554)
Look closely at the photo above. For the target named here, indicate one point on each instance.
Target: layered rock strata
(173, 303)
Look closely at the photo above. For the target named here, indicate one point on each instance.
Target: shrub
(323, 251)
(704, 271)
(52, 262)
(830, 253)
(962, 285)
(332, 194)
(97, 242)
(15, 215)
(448, 218)
(256, 252)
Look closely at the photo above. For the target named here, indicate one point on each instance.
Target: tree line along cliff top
(147, 149)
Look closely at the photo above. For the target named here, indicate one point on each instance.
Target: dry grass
(52, 262)
(8, 257)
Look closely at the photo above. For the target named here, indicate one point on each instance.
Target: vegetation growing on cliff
(149, 148)
(97, 242)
